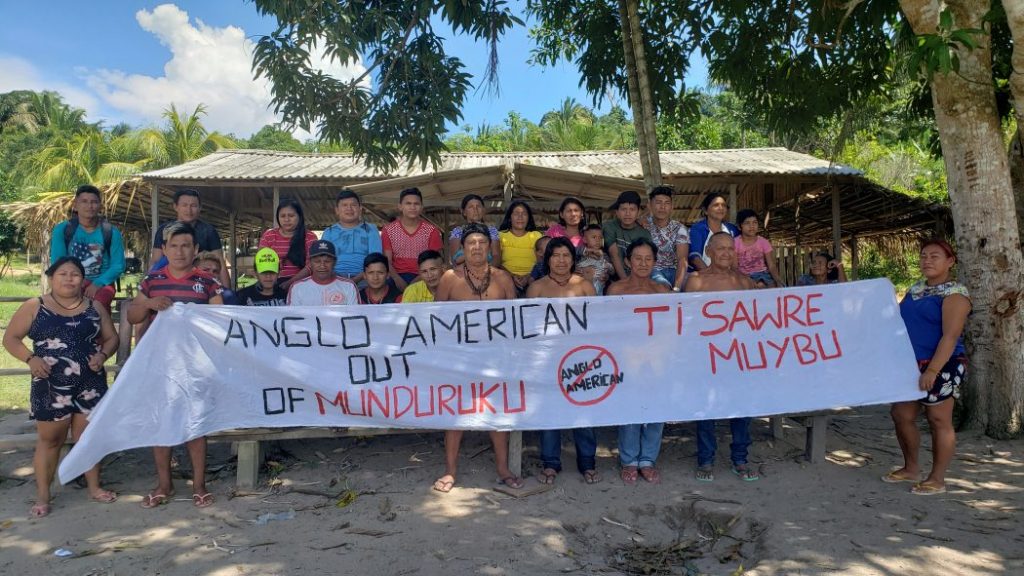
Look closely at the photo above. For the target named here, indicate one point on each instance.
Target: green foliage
(417, 87)
(902, 166)
(937, 53)
(899, 267)
(588, 33)
(272, 137)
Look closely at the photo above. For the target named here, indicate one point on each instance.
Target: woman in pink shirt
(572, 219)
(291, 241)
(754, 253)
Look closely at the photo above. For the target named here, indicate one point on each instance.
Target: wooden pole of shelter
(854, 257)
(732, 203)
(233, 247)
(154, 210)
(837, 231)
(273, 209)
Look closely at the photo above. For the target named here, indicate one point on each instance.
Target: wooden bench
(816, 425)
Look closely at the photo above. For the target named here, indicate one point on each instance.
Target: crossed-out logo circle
(588, 374)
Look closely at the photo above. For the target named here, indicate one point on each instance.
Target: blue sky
(128, 60)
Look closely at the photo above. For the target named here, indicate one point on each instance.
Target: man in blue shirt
(353, 238)
(94, 242)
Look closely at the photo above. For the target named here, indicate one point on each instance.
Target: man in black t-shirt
(186, 209)
(265, 292)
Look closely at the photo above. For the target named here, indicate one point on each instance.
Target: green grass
(14, 389)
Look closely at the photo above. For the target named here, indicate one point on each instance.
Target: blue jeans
(707, 443)
(665, 276)
(586, 449)
(639, 444)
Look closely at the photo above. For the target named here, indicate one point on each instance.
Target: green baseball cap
(267, 261)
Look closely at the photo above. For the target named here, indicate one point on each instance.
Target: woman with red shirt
(291, 241)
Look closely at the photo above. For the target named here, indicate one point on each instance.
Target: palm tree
(184, 138)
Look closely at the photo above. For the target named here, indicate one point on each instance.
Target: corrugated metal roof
(265, 165)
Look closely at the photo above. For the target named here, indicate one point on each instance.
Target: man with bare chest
(475, 279)
(719, 276)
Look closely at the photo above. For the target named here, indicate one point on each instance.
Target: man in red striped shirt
(408, 236)
(178, 281)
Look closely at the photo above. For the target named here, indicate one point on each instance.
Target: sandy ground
(834, 517)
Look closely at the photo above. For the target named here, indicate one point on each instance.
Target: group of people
(355, 263)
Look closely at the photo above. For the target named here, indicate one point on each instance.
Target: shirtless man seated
(475, 279)
(719, 276)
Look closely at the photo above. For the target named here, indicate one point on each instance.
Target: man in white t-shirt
(323, 287)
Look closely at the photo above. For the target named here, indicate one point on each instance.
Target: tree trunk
(653, 178)
(990, 259)
(1015, 20)
(644, 139)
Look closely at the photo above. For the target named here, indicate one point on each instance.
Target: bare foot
(39, 511)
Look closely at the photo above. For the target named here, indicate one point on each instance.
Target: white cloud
(20, 74)
(208, 65)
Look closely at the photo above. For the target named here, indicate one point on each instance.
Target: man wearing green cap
(265, 292)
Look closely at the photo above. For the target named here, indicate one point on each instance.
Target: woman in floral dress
(71, 339)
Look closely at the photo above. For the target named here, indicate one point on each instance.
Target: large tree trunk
(990, 259)
(643, 117)
(1015, 20)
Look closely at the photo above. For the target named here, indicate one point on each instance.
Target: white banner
(520, 364)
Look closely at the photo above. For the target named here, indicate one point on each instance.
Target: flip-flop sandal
(547, 476)
(650, 474)
(443, 486)
(105, 497)
(154, 499)
(591, 477)
(894, 478)
(745, 474)
(514, 482)
(202, 500)
(705, 474)
(629, 475)
(922, 489)
(39, 511)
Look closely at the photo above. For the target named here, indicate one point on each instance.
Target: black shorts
(947, 381)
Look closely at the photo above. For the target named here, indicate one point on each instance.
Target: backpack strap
(106, 228)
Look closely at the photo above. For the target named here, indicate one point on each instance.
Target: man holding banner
(475, 279)
(178, 281)
(717, 277)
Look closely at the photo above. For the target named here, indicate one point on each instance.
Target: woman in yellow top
(518, 234)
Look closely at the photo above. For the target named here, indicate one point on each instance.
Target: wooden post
(277, 200)
(154, 215)
(515, 452)
(249, 462)
(732, 203)
(837, 231)
(124, 333)
(233, 247)
(854, 257)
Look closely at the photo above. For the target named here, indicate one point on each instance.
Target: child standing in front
(754, 253)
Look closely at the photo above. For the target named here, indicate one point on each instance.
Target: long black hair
(549, 251)
(62, 261)
(506, 222)
(297, 247)
(576, 201)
